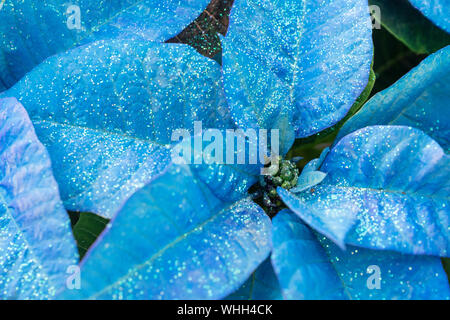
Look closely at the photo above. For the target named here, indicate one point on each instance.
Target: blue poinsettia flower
(380, 187)
(84, 106)
(377, 202)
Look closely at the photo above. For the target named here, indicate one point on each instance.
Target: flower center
(265, 191)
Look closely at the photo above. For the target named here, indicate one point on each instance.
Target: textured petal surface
(307, 180)
(301, 61)
(420, 100)
(175, 240)
(261, 285)
(310, 266)
(387, 188)
(33, 30)
(36, 243)
(435, 10)
(106, 113)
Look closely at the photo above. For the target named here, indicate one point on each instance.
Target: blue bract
(303, 63)
(37, 245)
(261, 285)
(309, 266)
(175, 239)
(106, 112)
(386, 188)
(34, 30)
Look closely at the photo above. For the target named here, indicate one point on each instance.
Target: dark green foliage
(392, 59)
(408, 25)
(203, 33)
(87, 230)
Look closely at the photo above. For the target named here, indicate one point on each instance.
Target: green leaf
(203, 33)
(446, 264)
(409, 26)
(392, 59)
(87, 230)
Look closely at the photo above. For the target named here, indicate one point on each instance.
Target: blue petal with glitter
(175, 239)
(435, 10)
(310, 266)
(299, 62)
(107, 112)
(315, 164)
(36, 242)
(328, 214)
(33, 30)
(307, 180)
(419, 100)
(387, 188)
(261, 285)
